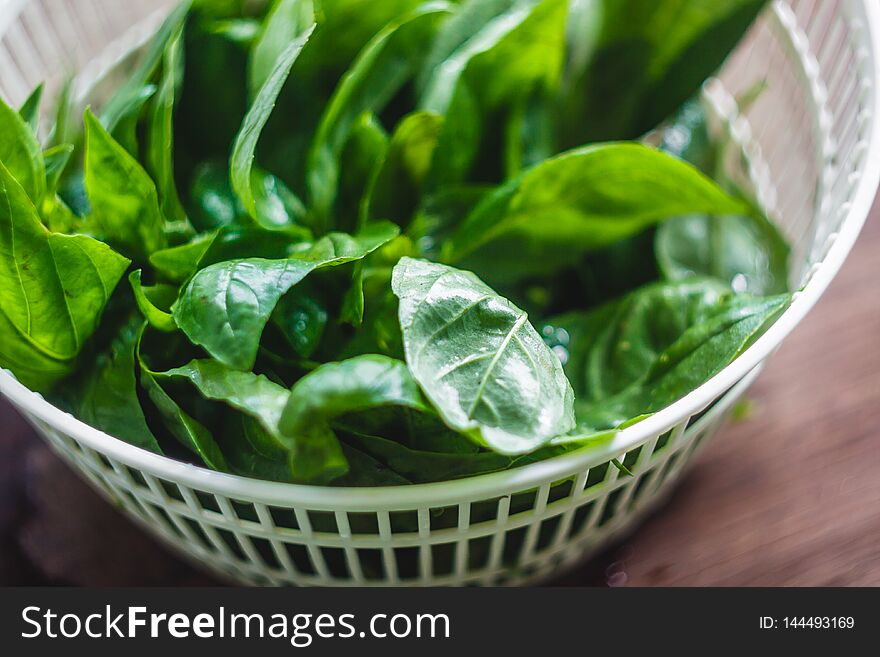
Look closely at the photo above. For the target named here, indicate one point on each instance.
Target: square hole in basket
(479, 550)
(404, 522)
(660, 447)
(407, 559)
(283, 518)
(444, 518)
(523, 501)
(610, 506)
(167, 521)
(597, 475)
(267, 553)
(560, 490)
(632, 457)
(335, 560)
(513, 545)
(136, 476)
(231, 542)
(323, 522)
(245, 511)
(208, 501)
(299, 557)
(547, 533)
(371, 563)
(199, 532)
(171, 490)
(641, 487)
(580, 519)
(363, 523)
(443, 558)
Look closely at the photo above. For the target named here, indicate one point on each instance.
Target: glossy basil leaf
(160, 152)
(388, 62)
(333, 390)
(701, 352)
(30, 109)
(580, 201)
(123, 197)
(419, 467)
(639, 71)
(188, 431)
(286, 21)
(21, 154)
(244, 150)
(608, 349)
(479, 360)
(225, 307)
(180, 262)
(252, 394)
(151, 301)
(104, 395)
(364, 155)
(53, 290)
(243, 32)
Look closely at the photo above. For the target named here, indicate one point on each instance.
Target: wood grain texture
(789, 497)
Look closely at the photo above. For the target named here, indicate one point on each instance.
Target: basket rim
(497, 484)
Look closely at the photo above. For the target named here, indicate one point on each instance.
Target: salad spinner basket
(811, 150)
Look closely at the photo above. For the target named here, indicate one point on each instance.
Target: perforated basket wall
(812, 152)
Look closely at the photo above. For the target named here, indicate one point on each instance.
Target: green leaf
(21, 154)
(105, 396)
(53, 290)
(160, 154)
(56, 159)
(388, 62)
(120, 105)
(249, 393)
(60, 133)
(364, 154)
(287, 21)
(333, 390)
(608, 349)
(125, 205)
(125, 130)
(638, 71)
(225, 307)
(244, 150)
(30, 110)
(302, 319)
(702, 351)
(188, 431)
(150, 301)
(580, 201)
(479, 360)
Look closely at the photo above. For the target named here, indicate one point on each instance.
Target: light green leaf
(124, 200)
(286, 22)
(53, 290)
(479, 360)
(150, 300)
(21, 154)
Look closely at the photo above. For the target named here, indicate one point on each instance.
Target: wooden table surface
(789, 496)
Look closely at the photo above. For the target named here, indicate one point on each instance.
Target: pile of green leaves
(371, 243)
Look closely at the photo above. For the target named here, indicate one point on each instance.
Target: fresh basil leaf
(364, 155)
(252, 394)
(21, 154)
(479, 360)
(240, 31)
(56, 159)
(333, 390)
(30, 109)
(225, 307)
(638, 71)
(302, 320)
(608, 349)
(387, 63)
(120, 105)
(419, 467)
(53, 290)
(151, 300)
(61, 133)
(286, 21)
(244, 150)
(580, 201)
(105, 396)
(124, 201)
(188, 431)
(160, 153)
(701, 352)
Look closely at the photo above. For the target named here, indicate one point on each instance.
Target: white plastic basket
(813, 151)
